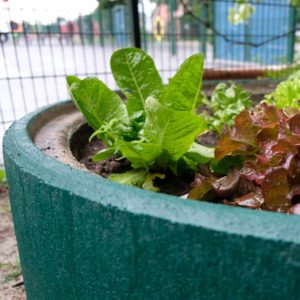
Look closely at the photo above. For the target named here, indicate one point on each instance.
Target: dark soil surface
(209, 138)
(104, 167)
(257, 98)
(170, 185)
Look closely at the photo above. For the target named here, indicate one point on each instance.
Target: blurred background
(42, 42)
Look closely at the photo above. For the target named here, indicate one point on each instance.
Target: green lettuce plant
(286, 94)
(157, 126)
(227, 101)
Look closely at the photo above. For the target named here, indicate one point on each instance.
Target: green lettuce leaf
(223, 166)
(131, 177)
(103, 154)
(286, 94)
(72, 79)
(137, 77)
(96, 101)
(139, 153)
(184, 89)
(139, 178)
(200, 154)
(227, 101)
(148, 184)
(174, 131)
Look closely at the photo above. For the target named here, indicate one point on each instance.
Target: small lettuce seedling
(227, 101)
(155, 130)
(286, 94)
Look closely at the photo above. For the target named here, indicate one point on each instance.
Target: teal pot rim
(215, 217)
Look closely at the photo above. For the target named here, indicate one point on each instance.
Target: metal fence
(36, 55)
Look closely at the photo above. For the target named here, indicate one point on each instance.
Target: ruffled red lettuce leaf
(294, 124)
(267, 139)
(227, 147)
(275, 189)
(244, 129)
(251, 200)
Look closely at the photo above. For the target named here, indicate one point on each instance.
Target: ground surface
(11, 281)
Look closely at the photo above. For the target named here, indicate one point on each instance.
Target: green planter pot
(84, 237)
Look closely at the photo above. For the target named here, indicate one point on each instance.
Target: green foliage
(227, 101)
(184, 90)
(157, 127)
(240, 12)
(2, 176)
(200, 154)
(108, 4)
(13, 270)
(139, 178)
(286, 94)
(295, 3)
(289, 72)
(136, 75)
(173, 130)
(11, 276)
(96, 101)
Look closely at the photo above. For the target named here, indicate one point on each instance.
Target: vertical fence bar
(247, 39)
(213, 20)
(172, 27)
(41, 60)
(9, 84)
(52, 55)
(144, 26)
(135, 23)
(291, 37)
(18, 63)
(101, 27)
(202, 28)
(30, 60)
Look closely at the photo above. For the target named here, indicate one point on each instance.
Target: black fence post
(135, 23)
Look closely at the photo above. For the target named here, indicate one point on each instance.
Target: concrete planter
(83, 237)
